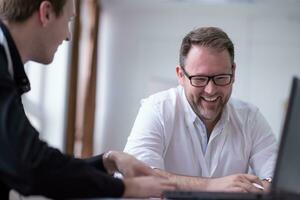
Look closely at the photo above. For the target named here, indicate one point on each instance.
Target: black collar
(19, 74)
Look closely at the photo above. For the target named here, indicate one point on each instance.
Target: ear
(45, 13)
(233, 72)
(180, 75)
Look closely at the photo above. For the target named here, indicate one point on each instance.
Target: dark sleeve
(96, 161)
(31, 167)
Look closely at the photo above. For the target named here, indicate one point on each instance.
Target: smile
(210, 99)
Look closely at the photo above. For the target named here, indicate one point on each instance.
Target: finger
(140, 170)
(249, 187)
(166, 188)
(250, 183)
(159, 190)
(126, 173)
(238, 190)
(253, 179)
(144, 170)
(170, 184)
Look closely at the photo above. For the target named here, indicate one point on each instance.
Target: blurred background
(86, 101)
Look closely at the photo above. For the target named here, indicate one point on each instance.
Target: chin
(209, 118)
(47, 61)
(210, 115)
(43, 60)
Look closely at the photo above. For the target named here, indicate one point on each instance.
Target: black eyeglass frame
(208, 78)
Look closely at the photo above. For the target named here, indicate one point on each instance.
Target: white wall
(140, 40)
(45, 104)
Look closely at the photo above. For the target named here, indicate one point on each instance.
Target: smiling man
(196, 134)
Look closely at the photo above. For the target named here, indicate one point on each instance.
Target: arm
(185, 182)
(126, 164)
(146, 141)
(264, 146)
(135, 172)
(232, 183)
(30, 166)
(96, 162)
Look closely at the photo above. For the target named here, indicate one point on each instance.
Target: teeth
(210, 99)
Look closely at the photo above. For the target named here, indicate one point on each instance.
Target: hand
(147, 186)
(127, 165)
(266, 186)
(234, 183)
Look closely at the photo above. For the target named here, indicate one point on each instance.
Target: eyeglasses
(201, 81)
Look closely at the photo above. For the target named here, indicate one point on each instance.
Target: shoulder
(242, 111)
(241, 107)
(165, 105)
(166, 98)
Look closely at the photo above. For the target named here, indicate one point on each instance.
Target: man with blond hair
(32, 30)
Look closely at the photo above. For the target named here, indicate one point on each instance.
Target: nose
(69, 36)
(69, 33)
(210, 87)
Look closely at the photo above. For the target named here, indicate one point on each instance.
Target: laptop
(286, 180)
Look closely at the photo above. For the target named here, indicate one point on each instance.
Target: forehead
(207, 60)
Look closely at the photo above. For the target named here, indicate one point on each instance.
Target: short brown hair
(20, 10)
(211, 37)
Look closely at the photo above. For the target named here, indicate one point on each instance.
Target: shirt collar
(19, 74)
(189, 113)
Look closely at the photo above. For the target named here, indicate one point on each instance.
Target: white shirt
(167, 134)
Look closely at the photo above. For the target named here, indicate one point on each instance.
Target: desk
(15, 196)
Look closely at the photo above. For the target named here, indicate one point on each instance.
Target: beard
(209, 109)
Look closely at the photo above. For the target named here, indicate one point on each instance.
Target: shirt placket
(202, 134)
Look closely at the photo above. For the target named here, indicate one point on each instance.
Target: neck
(210, 124)
(22, 36)
(209, 127)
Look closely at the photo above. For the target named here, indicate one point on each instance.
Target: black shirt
(28, 164)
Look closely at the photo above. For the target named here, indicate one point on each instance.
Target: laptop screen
(287, 171)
